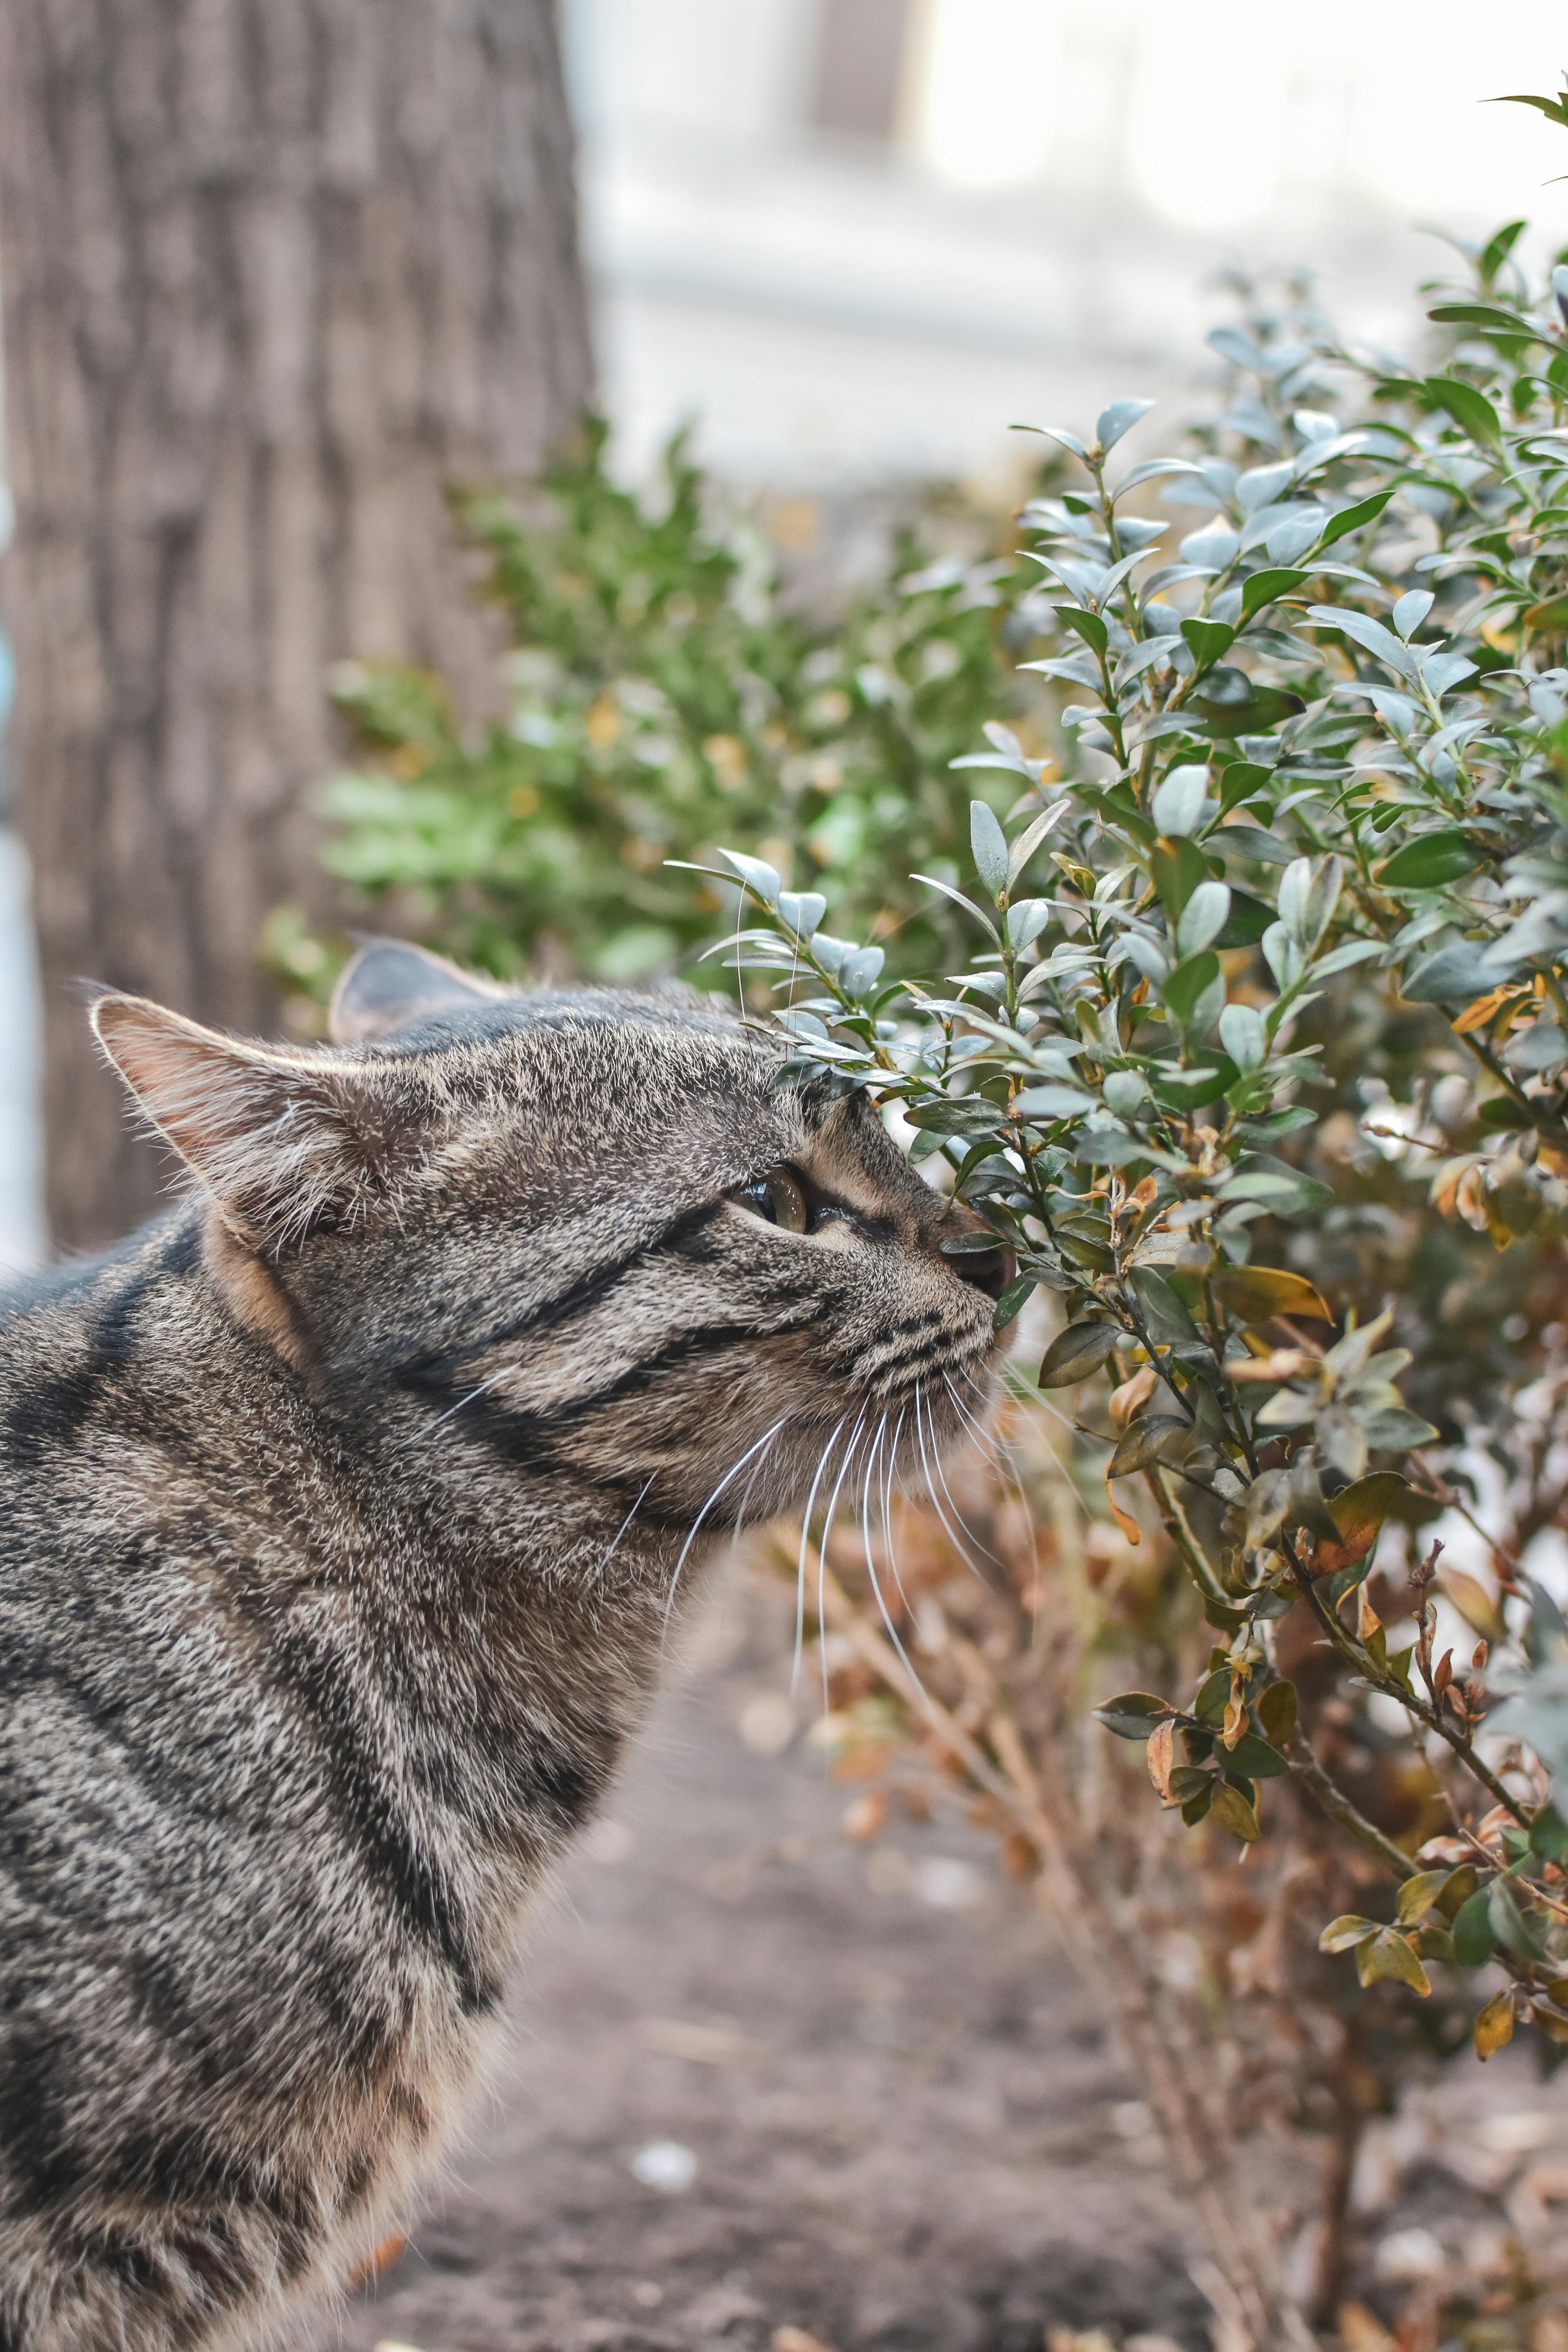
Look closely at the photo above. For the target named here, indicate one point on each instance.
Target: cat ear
(281, 1139)
(389, 985)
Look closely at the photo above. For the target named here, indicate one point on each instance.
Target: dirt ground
(880, 2108)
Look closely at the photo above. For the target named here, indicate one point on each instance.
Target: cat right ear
(283, 1141)
(391, 985)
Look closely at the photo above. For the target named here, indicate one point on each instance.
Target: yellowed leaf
(1230, 1809)
(1494, 2026)
(1256, 1292)
(1390, 1957)
(1474, 1603)
(1487, 1008)
(1358, 1511)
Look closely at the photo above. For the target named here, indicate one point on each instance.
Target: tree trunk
(274, 271)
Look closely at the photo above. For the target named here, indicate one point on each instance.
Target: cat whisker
(800, 1564)
(932, 1472)
(734, 1472)
(625, 1523)
(906, 1662)
(822, 1546)
(986, 1439)
(957, 1509)
(1002, 1452)
(453, 1410)
(889, 1472)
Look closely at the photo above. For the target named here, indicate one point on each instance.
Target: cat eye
(776, 1196)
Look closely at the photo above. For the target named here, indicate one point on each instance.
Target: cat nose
(989, 1270)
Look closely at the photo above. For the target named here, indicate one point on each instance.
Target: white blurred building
(857, 240)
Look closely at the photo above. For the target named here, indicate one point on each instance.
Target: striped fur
(349, 1509)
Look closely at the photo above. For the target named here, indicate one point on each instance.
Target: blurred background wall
(854, 240)
(861, 238)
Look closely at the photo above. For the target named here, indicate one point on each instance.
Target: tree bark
(274, 271)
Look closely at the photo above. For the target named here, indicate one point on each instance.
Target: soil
(884, 2111)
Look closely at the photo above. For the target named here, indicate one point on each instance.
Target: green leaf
(1556, 108)
(1076, 1352)
(1208, 639)
(1184, 988)
(1013, 1296)
(1233, 704)
(1470, 409)
(1212, 1696)
(1140, 1442)
(1277, 1711)
(1164, 1311)
(1549, 1834)
(1266, 587)
(1475, 1939)
(1134, 1715)
(1351, 519)
(1248, 921)
(1243, 780)
(1429, 861)
(989, 843)
(959, 1115)
(1512, 323)
(1257, 1759)
(1086, 624)
(1510, 1925)
(1178, 865)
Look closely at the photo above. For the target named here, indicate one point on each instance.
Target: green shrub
(1259, 1061)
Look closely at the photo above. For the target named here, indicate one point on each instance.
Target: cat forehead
(597, 1042)
(594, 1068)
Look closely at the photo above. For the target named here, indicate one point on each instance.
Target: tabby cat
(349, 1509)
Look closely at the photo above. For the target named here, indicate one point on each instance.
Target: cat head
(585, 1231)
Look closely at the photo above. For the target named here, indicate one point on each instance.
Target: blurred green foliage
(664, 694)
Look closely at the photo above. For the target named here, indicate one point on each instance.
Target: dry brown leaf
(1124, 1519)
(1126, 1399)
(1362, 2331)
(1161, 1756)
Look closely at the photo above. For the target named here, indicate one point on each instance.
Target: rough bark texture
(274, 271)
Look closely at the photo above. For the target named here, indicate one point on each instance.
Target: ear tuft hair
(390, 985)
(283, 1141)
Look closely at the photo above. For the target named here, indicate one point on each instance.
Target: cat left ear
(282, 1141)
(390, 985)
